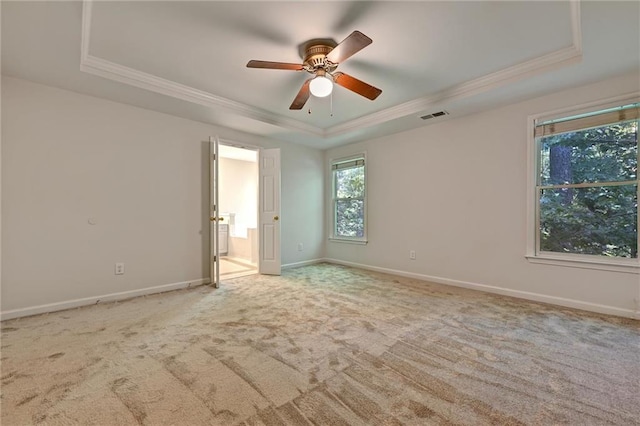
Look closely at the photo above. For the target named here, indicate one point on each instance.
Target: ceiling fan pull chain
(331, 112)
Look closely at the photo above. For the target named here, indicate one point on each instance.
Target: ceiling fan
(321, 57)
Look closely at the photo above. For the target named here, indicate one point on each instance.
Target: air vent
(434, 115)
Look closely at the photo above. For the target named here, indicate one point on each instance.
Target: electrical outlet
(300, 246)
(119, 269)
(412, 254)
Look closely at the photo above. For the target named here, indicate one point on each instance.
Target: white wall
(140, 176)
(238, 191)
(238, 195)
(455, 192)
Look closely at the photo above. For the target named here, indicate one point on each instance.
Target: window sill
(631, 266)
(344, 240)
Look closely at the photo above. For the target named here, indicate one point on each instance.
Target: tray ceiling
(188, 58)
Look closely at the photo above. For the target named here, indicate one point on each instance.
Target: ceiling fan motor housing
(316, 58)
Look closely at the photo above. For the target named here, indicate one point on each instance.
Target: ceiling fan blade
(355, 42)
(357, 86)
(302, 96)
(274, 65)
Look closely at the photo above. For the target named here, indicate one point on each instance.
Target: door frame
(215, 280)
(214, 249)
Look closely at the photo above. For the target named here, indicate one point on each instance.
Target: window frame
(334, 201)
(533, 252)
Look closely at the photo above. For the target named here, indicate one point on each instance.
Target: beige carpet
(325, 345)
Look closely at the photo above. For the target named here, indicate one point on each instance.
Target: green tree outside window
(588, 191)
(349, 200)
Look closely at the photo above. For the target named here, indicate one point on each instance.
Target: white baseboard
(303, 263)
(537, 297)
(571, 303)
(69, 304)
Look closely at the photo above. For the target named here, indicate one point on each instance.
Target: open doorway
(238, 200)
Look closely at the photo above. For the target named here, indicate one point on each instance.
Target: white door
(214, 208)
(269, 212)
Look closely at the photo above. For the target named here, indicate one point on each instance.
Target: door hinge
(215, 258)
(213, 156)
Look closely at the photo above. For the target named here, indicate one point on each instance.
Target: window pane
(350, 183)
(603, 154)
(350, 218)
(598, 221)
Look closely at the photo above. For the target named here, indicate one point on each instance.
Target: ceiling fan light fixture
(321, 86)
(321, 58)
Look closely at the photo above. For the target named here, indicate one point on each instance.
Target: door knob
(212, 218)
(221, 219)
(276, 217)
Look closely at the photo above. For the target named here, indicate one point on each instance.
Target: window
(586, 191)
(349, 205)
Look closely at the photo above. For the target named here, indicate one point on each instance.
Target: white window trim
(631, 266)
(332, 209)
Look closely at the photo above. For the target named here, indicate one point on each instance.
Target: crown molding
(557, 59)
(85, 32)
(576, 25)
(113, 71)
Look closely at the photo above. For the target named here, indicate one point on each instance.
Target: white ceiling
(188, 58)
